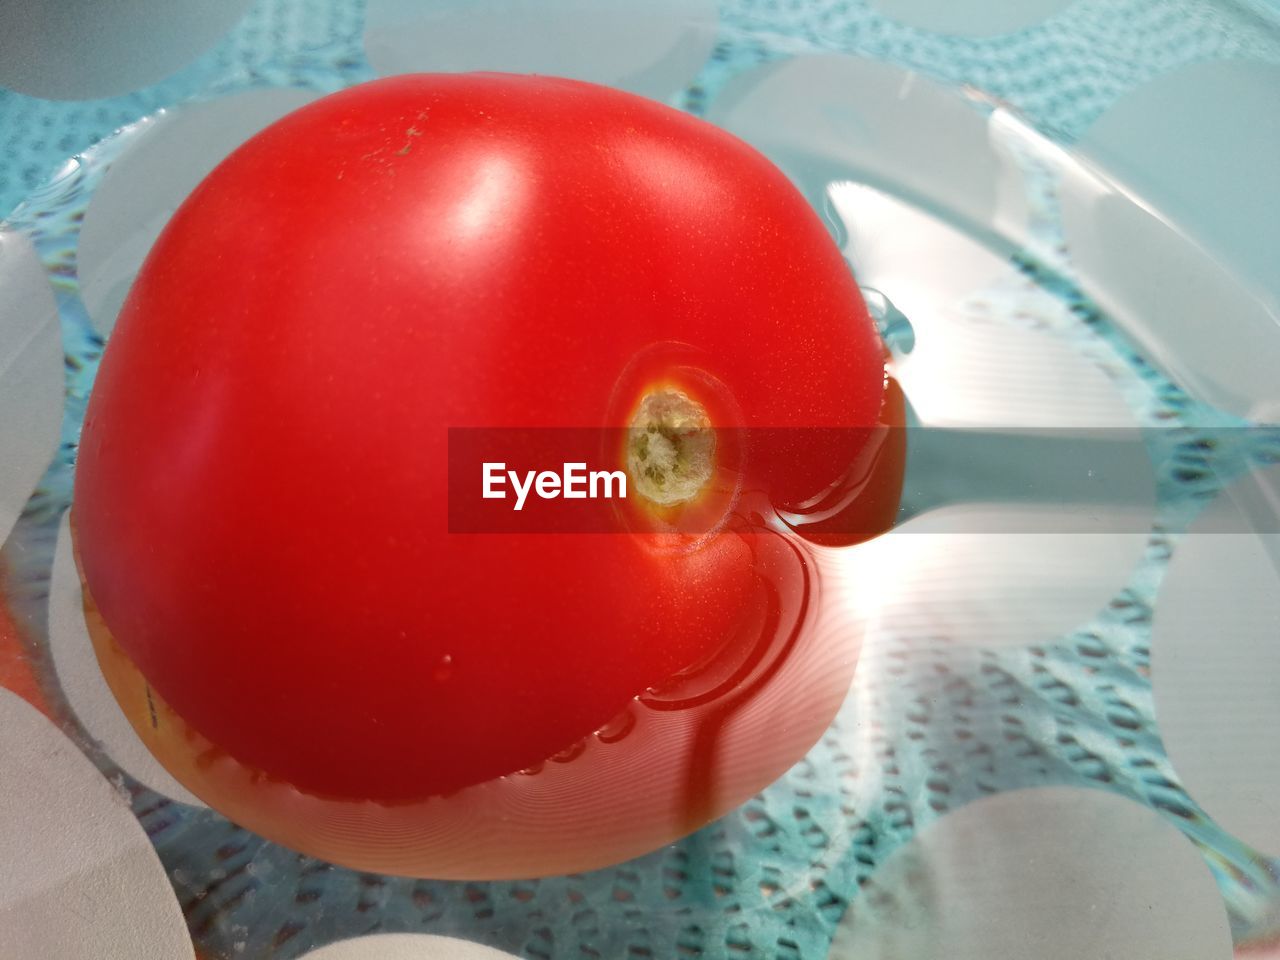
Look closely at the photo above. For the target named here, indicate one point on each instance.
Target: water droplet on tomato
(569, 754)
(895, 327)
(443, 670)
(617, 728)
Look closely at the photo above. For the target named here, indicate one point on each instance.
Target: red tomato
(261, 500)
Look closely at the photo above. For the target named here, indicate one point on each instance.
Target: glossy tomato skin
(260, 504)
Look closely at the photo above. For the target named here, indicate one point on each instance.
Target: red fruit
(261, 505)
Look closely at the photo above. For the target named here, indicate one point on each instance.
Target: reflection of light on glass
(919, 261)
(1212, 171)
(957, 573)
(827, 116)
(1008, 126)
(31, 383)
(870, 574)
(1016, 142)
(1142, 266)
(978, 359)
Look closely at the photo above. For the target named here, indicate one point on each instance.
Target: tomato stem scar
(671, 448)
